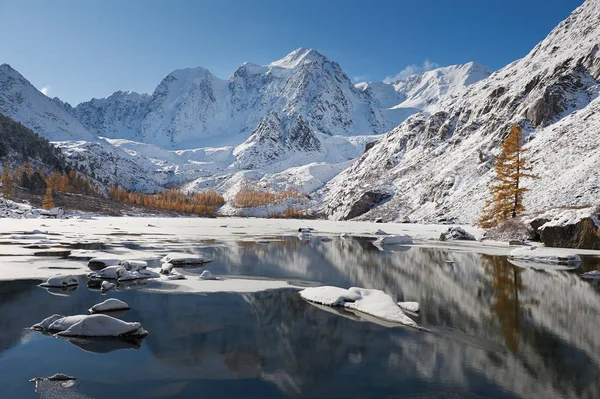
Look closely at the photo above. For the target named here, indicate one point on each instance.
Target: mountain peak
(298, 56)
(6, 69)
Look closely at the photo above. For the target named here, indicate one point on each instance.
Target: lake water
(498, 331)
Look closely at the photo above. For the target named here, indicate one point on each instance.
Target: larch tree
(48, 201)
(7, 183)
(507, 190)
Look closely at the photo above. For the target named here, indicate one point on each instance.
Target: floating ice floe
(412, 307)
(393, 240)
(96, 325)
(107, 286)
(101, 263)
(305, 230)
(593, 275)
(206, 275)
(545, 255)
(176, 277)
(60, 282)
(110, 305)
(380, 232)
(372, 302)
(177, 259)
(345, 235)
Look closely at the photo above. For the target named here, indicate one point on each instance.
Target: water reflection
(500, 330)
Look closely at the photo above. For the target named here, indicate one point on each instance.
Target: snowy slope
(436, 165)
(421, 92)
(193, 108)
(26, 104)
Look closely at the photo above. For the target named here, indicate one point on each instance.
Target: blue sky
(77, 50)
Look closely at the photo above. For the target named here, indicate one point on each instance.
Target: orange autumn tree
(507, 190)
(48, 201)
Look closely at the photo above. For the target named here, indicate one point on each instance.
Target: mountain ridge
(435, 166)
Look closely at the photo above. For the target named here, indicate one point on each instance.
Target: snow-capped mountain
(26, 104)
(192, 108)
(435, 165)
(295, 123)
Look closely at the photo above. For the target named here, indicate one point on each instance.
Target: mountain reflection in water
(498, 331)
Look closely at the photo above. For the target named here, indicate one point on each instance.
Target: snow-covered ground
(157, 237)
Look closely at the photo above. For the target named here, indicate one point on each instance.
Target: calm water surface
(499, 331)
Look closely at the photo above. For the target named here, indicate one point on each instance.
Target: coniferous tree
(7, 183)
(48, 201)
(507, 190)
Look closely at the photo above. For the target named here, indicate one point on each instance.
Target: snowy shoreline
(157, 236)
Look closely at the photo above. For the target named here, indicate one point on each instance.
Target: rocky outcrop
(535, 227)
(573, 229)
(366, 201)
(274, 137)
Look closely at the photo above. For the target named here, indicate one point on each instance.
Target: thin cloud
(45, 90)
(411, 70)
(359, 78)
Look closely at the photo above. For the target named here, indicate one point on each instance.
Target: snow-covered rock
(101, 263)
(110, 273)
(393, 240)
(207, 275)
(571, 228)
(166, 268)
(109, 305)
(96, 325)
(373, 302)
(134, 265)
(592, 275)
(410, 306)
(140, 274)
(107, 286)
(456, 233)
(545, 255)
(60, 282)
(178, 259)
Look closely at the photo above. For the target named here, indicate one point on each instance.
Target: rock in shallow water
(110, 305)
(456, 233)
(60, 282)
(96, 325)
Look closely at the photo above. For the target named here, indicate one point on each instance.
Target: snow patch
(373, 302)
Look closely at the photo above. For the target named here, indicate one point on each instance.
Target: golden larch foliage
(251, 197)
(48, 201)
(7, 183)
(507, 190)
(203, 204)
